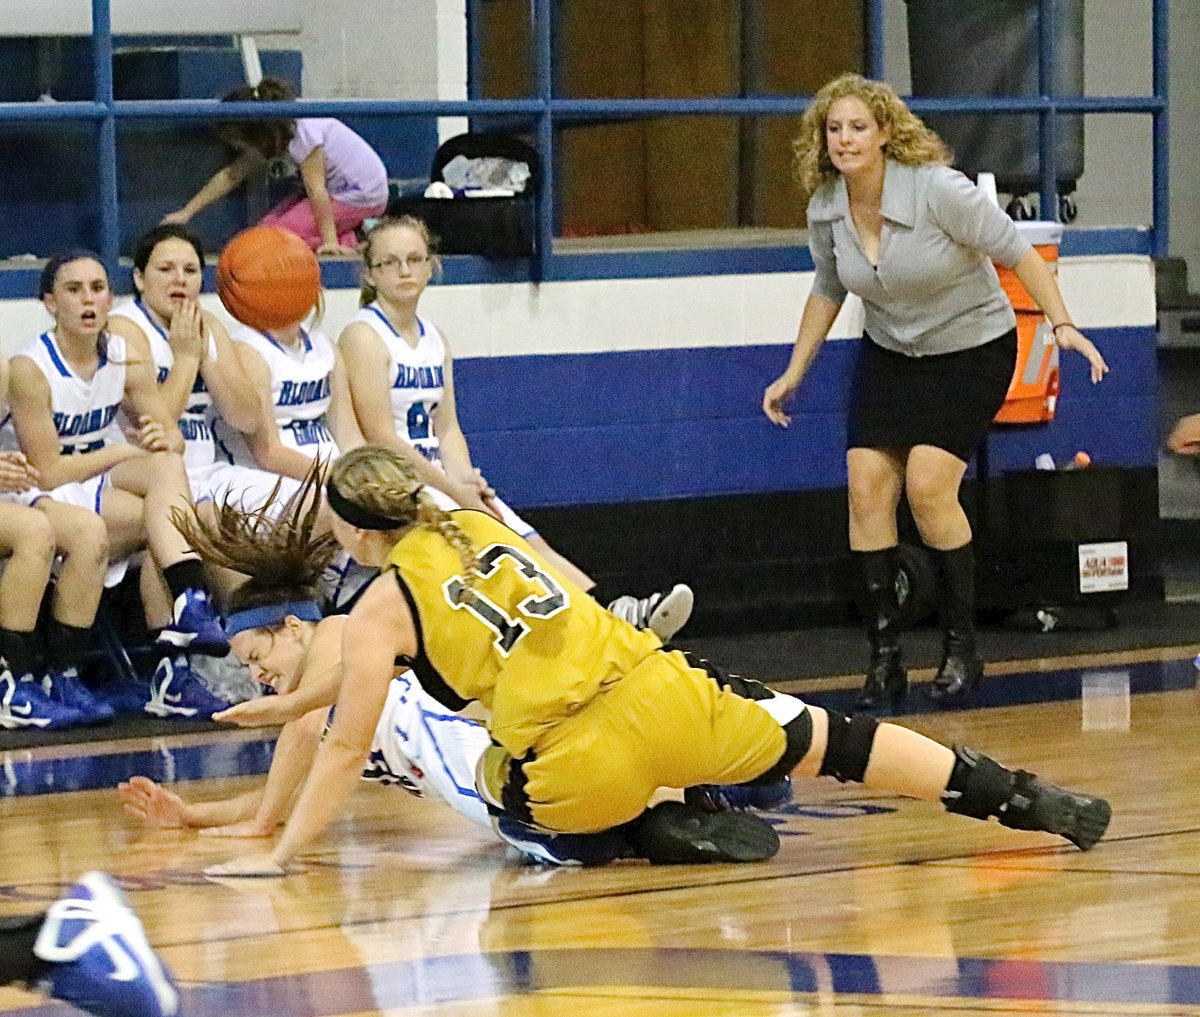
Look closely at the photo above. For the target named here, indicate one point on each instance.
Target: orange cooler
(1033, 391)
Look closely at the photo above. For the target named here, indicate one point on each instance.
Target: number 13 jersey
(530, 646)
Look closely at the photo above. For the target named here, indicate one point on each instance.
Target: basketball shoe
(23, 703)
(64, 686)
(177, 691)
(981, 788)
(663, 613)
(98, 955)
(546, 848)
(196, 627)
(125, 696)
(740, 797)
(678, 833)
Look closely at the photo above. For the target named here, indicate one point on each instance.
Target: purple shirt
(354, 173)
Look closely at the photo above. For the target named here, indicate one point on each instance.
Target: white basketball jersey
(301, 388)
(196, 422)
(85, 411)
(420, 744)
(417, 378)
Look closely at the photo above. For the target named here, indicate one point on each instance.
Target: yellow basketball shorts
(665, 724)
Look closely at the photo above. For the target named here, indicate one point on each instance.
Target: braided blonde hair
(909, 140)
(381, 480)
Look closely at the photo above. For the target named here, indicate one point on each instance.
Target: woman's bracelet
(1062, 324)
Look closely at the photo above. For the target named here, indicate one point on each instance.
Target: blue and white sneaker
(66, 687)
(176, 691)
(196, 627)
(100, 958)
(125, 696)
(740, 797)
(23, 703)
(546, 848)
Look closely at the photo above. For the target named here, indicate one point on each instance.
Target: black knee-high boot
(887, 681)
(961, 667)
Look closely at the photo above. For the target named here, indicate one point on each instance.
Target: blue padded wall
(648, 425)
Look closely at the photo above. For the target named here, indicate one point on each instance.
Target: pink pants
(296, 214)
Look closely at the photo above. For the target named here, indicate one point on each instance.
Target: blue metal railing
(547, 111)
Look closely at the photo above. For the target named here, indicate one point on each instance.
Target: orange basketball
(267, 277)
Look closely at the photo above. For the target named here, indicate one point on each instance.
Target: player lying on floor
(276, 629)
(588, 716)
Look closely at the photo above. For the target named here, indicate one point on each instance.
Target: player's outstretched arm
(379, 629)
(159, 807)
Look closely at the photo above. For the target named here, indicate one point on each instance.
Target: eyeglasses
(391, 263)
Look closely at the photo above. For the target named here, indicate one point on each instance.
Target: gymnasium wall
(616, 390)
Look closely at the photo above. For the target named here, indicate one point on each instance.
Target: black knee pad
(848, 747)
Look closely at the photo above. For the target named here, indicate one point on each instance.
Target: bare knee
(168, 466)
(933, 500)
(85, 541)
(873, 492)
(927, 494)
(31, 538)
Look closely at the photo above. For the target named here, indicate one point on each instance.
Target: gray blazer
(934, 289)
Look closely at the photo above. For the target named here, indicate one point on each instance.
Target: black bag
(498, 227)
(991, 47)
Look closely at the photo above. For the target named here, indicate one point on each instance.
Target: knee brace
(848, 747)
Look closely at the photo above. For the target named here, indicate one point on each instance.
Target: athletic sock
(22, 652)
(184, 575)
(17, 960)
(66, 645)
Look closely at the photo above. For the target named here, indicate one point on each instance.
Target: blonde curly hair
(909, 140)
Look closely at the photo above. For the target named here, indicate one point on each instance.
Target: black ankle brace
(978, 787)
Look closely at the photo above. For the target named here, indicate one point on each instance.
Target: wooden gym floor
(875, 905)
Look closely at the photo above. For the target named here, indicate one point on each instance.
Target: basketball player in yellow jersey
(589, 716)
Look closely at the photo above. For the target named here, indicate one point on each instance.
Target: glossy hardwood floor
(874, 906)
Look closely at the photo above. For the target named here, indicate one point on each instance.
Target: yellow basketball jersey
(532, 647)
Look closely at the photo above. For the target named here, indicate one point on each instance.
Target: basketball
(267, 277)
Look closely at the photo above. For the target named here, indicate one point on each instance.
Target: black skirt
(947, 400)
